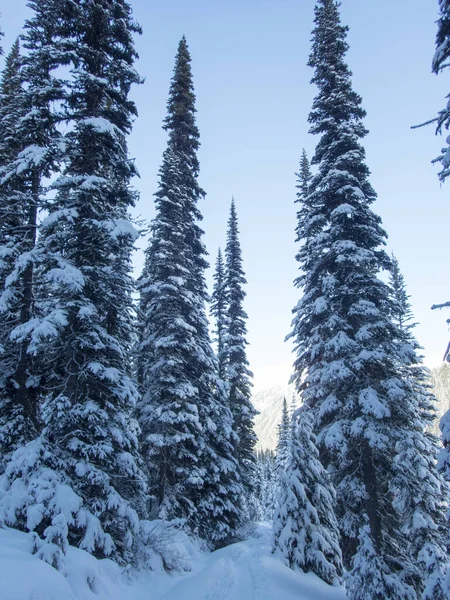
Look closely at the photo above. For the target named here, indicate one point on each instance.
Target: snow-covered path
(243, 571)
(248, 571)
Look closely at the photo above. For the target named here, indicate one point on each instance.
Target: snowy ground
(243, 571)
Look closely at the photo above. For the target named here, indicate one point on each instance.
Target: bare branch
(423, 124)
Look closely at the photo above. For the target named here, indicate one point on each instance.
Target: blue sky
(253, 97)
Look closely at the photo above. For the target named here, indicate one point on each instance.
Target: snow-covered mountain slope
(242, 571)
(269, 404)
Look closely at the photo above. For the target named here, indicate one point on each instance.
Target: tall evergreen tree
(15, 405)
(353, 354)
(81, 480)
(263, 498)
(238, 376)
(420, 494)
(184, 415)
(293, 407)
(440, 62)
(306, 532)
(304, 177)
(28, 154)
(284, 438)
(219, 312)
(402, 316)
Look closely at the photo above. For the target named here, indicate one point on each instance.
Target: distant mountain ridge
(269, 403)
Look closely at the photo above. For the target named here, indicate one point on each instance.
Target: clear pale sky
(253, 97)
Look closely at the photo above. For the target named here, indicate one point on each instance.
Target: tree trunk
(370, 482)
(27, 396)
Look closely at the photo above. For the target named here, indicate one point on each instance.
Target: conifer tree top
(336, 116)
(219, 292)
(403, 315)
(219, 310)
(234, 254)
(304, 177)
(12, 63)
(180, 120)
(336, 98)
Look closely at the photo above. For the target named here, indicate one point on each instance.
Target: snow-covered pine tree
(337, 203)
(304, 177)
(238, 375)
(186, 423)
(270, 485)
(421, 496)
(370, 579)
(350, 355)
(219, 311)
(402, 316)
(306, 533)
(18, 418)
(283, 449)
(284, 439)
(254, 505)
(264, 494)
(27, 155)
(421, 506)
(294, 404)
(81, 481)
(440, 62)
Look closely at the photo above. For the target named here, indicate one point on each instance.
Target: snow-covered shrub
(166, 544)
